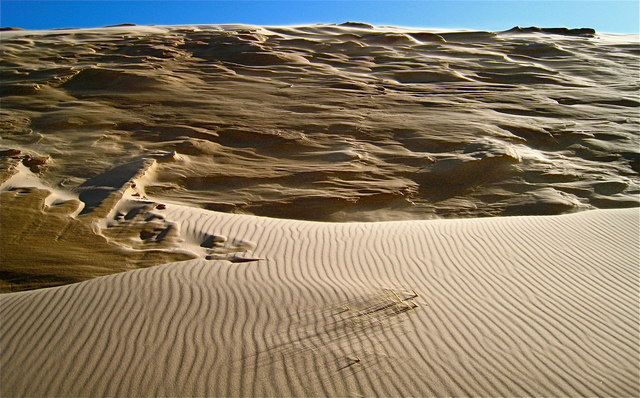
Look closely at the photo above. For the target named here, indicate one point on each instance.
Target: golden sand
(193, 163)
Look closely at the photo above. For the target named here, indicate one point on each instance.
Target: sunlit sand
(327, 210)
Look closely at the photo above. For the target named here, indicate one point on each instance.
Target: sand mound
(522, 306)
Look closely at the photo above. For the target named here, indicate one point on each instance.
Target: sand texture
(319, 211)
(519, 306)
(334, 123)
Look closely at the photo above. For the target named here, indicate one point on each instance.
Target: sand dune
(161, 187)
(521, 306)
(358, 123)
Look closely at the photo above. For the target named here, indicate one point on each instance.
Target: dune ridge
(483, 307)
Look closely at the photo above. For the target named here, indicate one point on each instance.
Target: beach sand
(319, 211)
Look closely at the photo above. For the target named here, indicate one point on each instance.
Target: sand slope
(51, 237)
(347, 122)
(116, 144)
(336, 123)
(521, 306)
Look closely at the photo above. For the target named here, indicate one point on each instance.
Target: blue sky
(604, 16)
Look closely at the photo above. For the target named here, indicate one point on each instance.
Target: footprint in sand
(141, 227)
(221, 248)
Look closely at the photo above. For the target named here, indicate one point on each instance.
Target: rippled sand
(494, 307)
(131, 150)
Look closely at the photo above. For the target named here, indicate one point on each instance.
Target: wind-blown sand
(520, 306)
(334, 123)
(177, 173)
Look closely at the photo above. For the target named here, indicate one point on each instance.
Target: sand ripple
(118, 142)
(519, 306)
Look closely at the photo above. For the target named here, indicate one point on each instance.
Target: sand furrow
(114, 332)
(193, 364)
(464, 341)
(174, 350)
(95, 335)
(611, 265)
(411, 343)
(229, 378)
(39, 330)
(213, 338)
(328, 310)
(197, 360)
(579, 276)
(404, 261)
(289, 244)
(47, 330)
(13, 314)
(504, 338)
(138, 335)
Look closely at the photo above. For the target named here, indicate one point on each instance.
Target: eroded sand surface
(334, 123)
(325, 122)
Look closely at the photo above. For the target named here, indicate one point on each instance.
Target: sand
(515, 306)
(319, 211)
(346, 123)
